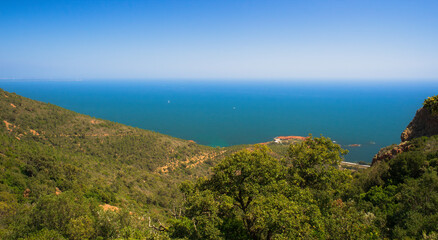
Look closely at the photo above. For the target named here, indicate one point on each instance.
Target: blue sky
(219, 39)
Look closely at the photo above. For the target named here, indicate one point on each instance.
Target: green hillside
(64, 175)
(45, 148)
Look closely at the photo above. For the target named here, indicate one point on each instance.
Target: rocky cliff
(425, 123)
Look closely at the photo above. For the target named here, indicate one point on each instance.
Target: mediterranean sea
(224, 113)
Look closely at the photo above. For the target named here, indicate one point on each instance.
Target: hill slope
(47, 150)
(67, 175)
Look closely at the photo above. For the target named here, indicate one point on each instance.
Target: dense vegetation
(402, 192)
(252, 195)
(45, 149)
(66, 175)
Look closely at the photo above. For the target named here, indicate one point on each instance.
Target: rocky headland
(424, 123)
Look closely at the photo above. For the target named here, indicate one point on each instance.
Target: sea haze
(219, 113)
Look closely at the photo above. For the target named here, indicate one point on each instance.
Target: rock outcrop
(425, 123)
(390, 152)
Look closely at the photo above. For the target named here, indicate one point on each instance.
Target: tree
(248, 197)
(315, 163)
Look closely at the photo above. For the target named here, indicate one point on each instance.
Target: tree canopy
(254, 195)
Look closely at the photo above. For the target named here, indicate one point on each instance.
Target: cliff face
(425, 123)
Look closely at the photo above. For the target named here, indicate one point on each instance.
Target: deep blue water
(224, 113)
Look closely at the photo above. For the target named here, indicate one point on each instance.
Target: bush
(45, 234)
(431, 103)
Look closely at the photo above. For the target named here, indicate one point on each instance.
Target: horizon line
(330, 79)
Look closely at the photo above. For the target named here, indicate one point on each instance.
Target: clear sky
(223, 39)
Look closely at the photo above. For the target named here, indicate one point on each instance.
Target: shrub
(431, 103)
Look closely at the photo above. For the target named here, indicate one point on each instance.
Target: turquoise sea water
(225, 113)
